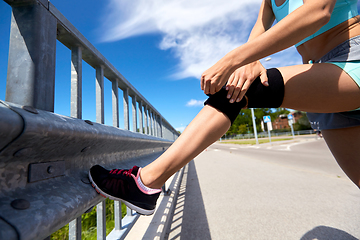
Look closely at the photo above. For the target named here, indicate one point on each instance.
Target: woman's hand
(241, 79)
(213, 79)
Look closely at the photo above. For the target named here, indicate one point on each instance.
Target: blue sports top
(343, 10)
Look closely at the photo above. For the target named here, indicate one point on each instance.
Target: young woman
(327, 36)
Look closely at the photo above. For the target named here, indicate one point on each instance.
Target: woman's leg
(207, 127)
(322, 88)
(344, 145)
(308, 87)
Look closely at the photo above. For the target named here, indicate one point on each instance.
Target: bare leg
(312, 88)
(207, 127)
(319, 88)
(344, 145)
(326, 88)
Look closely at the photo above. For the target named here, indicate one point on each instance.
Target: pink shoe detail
(142, 187)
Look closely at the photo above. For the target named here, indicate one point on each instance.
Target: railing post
(126, 108)
(161, 128)
(141, 123)
(151, 123)
(155, 125)
(118, 215)
(158, 125)
(75, 229)
(32, 54)
(134, 114)
(129, 212)
(100, 95)
(146, 120)
(115, 102)
(101, 220)
(76, 82)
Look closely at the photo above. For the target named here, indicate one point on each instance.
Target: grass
(253, 141)
(88, 223)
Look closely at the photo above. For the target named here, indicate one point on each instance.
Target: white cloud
(195, 103)
(198, 32)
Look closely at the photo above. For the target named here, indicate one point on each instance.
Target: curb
(156, 226)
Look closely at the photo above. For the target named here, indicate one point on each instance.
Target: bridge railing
(44, 157)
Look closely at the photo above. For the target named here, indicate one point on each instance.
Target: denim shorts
(347, 57)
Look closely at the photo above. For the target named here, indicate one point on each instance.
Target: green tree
(243, 122)
(302, 124)
(243, 128)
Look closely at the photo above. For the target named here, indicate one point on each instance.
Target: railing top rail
(71, 37)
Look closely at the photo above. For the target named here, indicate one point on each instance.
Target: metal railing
(266, 135)
(44, 157)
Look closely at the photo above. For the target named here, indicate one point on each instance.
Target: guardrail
(44, 157)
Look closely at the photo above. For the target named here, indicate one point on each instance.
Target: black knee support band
(257, 96)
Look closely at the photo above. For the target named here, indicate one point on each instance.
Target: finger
(212, 89)
(202, 83)
(230, 81)
(207, 87)
(264, 79)
(237, 90)
(213, 85)
(235, 94)
(243, 90)
(230, 91)
(231, 86)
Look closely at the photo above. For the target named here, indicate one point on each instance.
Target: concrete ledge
(154, 227)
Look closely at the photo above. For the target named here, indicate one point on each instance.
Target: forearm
(284, 34)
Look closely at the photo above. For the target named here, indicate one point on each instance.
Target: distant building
(282, 121)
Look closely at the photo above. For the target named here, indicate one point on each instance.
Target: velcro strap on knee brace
(257, 96)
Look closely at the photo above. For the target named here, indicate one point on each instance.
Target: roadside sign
(267, 119)
(291, 122)
(269, 126)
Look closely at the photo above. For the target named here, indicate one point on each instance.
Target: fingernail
(227, 88)
(238, 100)
(228, 96)
(266, 84)
(232, 100)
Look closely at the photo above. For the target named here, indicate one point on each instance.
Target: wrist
(235, 58)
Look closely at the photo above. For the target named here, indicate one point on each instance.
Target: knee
(257, 96)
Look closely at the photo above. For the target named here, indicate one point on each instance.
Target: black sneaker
(122, 185)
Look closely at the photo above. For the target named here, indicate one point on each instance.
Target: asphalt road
(287, 190)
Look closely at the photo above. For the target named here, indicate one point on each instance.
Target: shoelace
(122, 171)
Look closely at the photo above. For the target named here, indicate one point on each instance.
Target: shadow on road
(327, 233)
(189, 219)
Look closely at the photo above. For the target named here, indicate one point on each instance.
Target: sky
(161, 47)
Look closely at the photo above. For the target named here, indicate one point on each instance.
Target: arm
(264, 21)
(299, 24)
(242, 77)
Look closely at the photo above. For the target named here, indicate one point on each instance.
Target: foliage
(88, 223)
(302, 124)
(243, 123)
